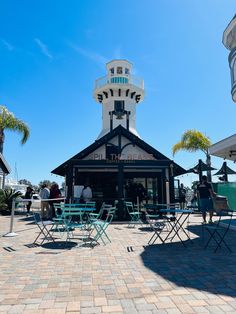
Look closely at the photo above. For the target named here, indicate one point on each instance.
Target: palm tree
(9, 122)
(192, 141)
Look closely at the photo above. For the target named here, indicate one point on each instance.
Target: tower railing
(119, 79)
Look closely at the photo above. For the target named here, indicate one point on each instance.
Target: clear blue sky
(53, 51)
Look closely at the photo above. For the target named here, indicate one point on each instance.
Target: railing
(116, 79)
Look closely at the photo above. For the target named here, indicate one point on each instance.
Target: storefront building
(119, 165)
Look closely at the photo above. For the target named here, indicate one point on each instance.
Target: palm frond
(22, 128)
(177, 147)
(9, 122)
(192, 141)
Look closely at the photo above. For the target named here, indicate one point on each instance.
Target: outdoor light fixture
(232, 153)
(119, 106)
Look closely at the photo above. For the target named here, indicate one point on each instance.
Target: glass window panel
(119, 70)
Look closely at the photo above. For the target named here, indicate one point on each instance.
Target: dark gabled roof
(4, 165)
(119, 130)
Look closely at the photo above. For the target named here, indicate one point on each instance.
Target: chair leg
(210, 238)
(156, 235)
(40, 233)
(46, 233)
(223, 241)
(100, 232)
(218, 242)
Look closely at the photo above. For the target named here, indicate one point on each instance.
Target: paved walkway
(126, 276)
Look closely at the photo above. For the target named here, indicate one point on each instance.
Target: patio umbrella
(199, 168)
(225, 171)
(202, 167)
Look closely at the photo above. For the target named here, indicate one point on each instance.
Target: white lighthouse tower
(119, 92)
(229, 40)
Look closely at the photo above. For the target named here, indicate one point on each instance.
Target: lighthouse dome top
(119, 68)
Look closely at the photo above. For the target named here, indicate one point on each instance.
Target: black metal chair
(219, 229)
(157, 227)
(45, 227)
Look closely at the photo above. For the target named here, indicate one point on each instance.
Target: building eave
(60, 170)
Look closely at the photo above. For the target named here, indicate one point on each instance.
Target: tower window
(111, 152)
(127, 71)
(119, 105)
(119, 70)
(112, 70)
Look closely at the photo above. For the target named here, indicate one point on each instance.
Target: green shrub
(6, 199)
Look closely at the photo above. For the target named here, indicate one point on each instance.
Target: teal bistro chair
(100, 226)
(135, 217)
(99, 215)
(90, 204)
(59, 219)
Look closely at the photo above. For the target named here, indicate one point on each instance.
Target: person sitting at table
(205, 194)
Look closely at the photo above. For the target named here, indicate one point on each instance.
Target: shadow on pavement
(194, 267)
(59, 245)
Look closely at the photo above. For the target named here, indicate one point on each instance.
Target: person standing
(54, 193)
(86, 194)
(141, 193)
(182, 196)
(28, 195)
(45, 208)
(205, 194)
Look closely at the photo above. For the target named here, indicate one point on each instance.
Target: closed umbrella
(225, 171)
(199, 168)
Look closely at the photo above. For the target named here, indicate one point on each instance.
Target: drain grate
(31, 245)
(130, 249)
(8, 249)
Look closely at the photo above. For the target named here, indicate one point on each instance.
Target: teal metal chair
(90, 204)
(59, 219)
(95, 216)
(100, 226)
(135, 216)
(73, 220)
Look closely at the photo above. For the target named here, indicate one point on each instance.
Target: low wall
(227, 189)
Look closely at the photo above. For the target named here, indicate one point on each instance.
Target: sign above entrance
(123, 156)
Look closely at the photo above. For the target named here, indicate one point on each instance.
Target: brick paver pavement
(126, 276)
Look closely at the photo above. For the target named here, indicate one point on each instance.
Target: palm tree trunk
(208, 162)
(1, 140)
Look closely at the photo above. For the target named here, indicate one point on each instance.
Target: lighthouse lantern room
(119, 92)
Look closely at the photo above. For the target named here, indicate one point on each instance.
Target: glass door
(145, 188)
